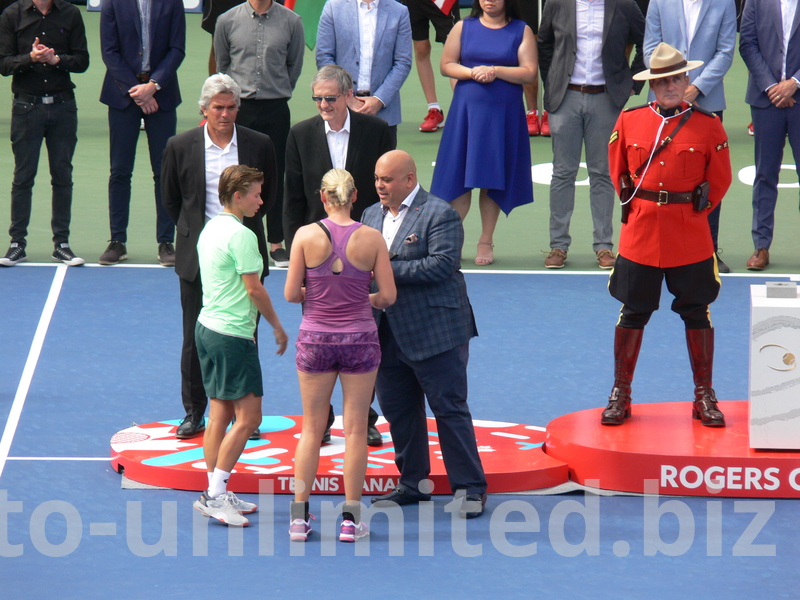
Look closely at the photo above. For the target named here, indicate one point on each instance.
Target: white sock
(209, 473)
(434, 105)
(219, 483)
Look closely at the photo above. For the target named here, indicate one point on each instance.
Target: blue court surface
(90, 351)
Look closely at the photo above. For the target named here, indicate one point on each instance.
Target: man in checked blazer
(190, 170)
(425, 337)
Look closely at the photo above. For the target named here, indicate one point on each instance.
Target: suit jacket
(623, 24)
(432, 313)
(338, 44)
(121, 45)
(713, 43)
(761, 47)
(183, 190)
(308, 159)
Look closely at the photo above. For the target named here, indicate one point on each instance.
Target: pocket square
(411, 239)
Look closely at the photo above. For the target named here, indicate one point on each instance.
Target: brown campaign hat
(666, 61)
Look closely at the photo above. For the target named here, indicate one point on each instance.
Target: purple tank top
(338, 301)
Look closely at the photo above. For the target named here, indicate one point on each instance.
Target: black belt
(665, 197)
(51, 99)
(586, 89)
(362, 93)
(143, 77)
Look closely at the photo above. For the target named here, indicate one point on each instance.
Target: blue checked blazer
(432, 313)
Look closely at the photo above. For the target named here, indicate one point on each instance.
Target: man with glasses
(371, 39)
(336, 138)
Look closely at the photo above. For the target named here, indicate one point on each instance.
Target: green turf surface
(520, 239)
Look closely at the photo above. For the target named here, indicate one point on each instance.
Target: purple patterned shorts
(349, 353)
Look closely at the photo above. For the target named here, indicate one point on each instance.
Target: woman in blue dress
(485, 144)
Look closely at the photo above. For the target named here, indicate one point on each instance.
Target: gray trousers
(582, 120)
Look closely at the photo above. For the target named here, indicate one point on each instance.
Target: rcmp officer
(670, 163)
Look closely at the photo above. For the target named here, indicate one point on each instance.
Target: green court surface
(520, 239)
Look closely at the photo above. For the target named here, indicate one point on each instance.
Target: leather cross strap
(665, 142)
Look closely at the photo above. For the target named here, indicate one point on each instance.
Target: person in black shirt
(41, 43)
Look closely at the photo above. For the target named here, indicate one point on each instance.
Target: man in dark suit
(143, 44)
(193, 162)
(336, 138)
(424, 338)
(770, 46)
(587, 80)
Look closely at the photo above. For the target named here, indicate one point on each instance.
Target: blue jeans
(57, 125)
(123, 127)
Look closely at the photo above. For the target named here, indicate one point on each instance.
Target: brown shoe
(556, 259)
(605, 259)
(759, 260)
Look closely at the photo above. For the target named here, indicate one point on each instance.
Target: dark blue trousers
(123, 127)
(402, 386)
(771, 125)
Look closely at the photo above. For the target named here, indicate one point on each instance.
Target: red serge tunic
(669, 235)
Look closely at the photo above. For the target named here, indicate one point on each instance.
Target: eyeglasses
(328, 99)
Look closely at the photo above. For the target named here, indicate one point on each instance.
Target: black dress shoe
(374, 437)
(401, 497)
(472, 506)
(256, 435)
(190, 427)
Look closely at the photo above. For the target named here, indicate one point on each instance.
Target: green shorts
(229, 364)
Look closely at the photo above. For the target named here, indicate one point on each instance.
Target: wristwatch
(155, 83)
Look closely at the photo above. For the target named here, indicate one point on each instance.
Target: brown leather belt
(143, 77)
(665, 197)
(362, 93)
(586, 89)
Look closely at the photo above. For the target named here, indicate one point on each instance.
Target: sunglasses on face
(328, 99)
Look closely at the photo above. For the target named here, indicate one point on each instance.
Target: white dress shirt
(788, 9)
(217, 160)
(589, 15)
(367, 23)
(391, 223)
(338, 142)
(691, 11)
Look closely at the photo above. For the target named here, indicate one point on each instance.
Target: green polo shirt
(227, 250)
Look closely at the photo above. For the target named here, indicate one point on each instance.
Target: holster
(626, 189)
(700, 197)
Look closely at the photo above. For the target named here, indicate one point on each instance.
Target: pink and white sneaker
(299, 529)
(351, 532)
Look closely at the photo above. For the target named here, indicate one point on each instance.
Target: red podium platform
(511, 454)
(662, 442)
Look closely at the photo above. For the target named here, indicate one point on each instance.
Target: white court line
(92, 458)
(30, 365)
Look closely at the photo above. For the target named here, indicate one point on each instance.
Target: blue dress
(485, 140)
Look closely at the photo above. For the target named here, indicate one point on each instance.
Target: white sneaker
(242, 506)
(222, 509)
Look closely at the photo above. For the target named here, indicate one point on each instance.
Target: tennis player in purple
(331, 266)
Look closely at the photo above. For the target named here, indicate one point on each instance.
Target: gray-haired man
(192, 164)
